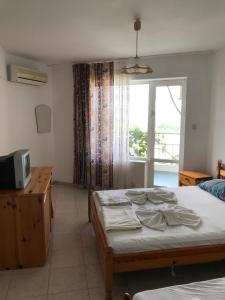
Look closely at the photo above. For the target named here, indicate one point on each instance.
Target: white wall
(63, 122)
(17, 115)
(17, 103)
(196, 67)
(216, 135)
(2, 63)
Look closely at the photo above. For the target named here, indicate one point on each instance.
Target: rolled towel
(152, 218)
(158, 196)
(137, 197)
(171, 215)
(134, 192)
(179, 215)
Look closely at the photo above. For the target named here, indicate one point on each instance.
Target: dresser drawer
(185, 180)
(192, 177)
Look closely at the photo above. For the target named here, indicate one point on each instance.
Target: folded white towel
(171, 215)
(137, 197)
(120, 218)
(112, 200)
(134, 192)
(158, 196)
(140, 199)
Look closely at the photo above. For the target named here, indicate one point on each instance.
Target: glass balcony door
(166, 132)
(156, 129)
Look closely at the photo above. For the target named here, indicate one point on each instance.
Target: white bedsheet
(204, 290)
(211, 231)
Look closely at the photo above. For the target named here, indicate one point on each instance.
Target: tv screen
(15, 170)
(27, 165)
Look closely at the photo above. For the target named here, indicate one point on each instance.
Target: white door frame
(149, 161)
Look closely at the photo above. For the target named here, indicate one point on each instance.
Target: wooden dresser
(25, 222)
(192, 177)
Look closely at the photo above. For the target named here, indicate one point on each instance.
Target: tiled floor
(73, 271)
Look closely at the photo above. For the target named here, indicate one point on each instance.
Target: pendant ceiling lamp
(137, 68)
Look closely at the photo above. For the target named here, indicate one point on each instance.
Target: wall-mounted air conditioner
(28, 76)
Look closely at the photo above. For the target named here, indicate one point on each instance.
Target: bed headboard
(220, 170)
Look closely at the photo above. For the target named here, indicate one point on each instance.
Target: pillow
(216, 187)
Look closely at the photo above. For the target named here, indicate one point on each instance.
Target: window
(138, 120)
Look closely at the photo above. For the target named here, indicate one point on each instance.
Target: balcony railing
(167, 146)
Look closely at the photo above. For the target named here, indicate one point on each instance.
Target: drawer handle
(187, 179)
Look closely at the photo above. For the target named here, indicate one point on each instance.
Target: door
(166, 132)
(157, 128)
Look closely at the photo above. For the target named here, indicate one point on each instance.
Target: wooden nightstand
(192, 177)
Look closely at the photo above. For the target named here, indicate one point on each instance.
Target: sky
(165, 112)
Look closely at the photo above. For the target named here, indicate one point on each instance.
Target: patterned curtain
(93, 125)
(81, 74)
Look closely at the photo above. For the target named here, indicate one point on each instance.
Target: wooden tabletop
(195, 174)
(40, 178)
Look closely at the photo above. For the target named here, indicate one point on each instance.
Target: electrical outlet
(194, 126)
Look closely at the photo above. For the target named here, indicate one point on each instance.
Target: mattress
(210, 232)
(204, 290)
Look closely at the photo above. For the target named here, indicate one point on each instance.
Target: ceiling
(87, 30)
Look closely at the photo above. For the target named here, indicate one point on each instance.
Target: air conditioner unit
(28, 76)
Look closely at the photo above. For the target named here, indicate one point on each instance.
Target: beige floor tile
(65, 207)
(97, 294)
(91, 255)
(89, 242)
(66, 241)
(66, 223)
(83, 216)
(67, 194)
(34, 298)
(82, 202)
(4, 283)
(83, 219)
(67, 258)
(81, 194)
(74, 263)
(74, 295)
(67, 279)
(94, 276)
(88, 235)
(28, 283)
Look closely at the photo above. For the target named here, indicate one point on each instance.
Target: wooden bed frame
(125, 262)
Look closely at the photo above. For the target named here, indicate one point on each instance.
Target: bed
(119, 255)
(209, 289)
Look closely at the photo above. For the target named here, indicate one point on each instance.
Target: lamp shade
(136, 69)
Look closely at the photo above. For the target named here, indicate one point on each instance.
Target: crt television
(15, 170)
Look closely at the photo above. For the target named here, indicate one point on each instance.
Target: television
(15, 170)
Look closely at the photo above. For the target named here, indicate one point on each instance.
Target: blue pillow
(216, 187)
